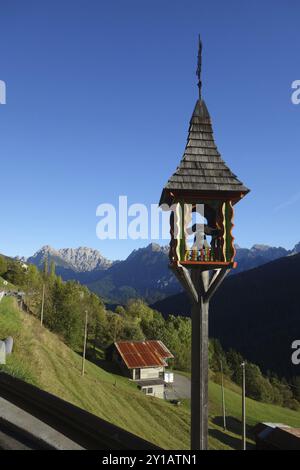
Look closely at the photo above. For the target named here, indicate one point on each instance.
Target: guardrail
(84, 428)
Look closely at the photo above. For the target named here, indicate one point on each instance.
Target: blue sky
(99, 96)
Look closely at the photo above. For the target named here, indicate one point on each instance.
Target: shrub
(3, 265)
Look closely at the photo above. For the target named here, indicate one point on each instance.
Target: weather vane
(199, 66)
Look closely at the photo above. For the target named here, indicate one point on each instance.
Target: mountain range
(75, 259)
(144, 273)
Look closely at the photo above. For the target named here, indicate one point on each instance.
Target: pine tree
(52, 269)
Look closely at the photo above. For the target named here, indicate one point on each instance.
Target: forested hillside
(256, 313)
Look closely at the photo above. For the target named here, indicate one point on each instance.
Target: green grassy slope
(41, 358)
(256, 412)
(44, 360)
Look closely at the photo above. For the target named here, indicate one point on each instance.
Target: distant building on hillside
(144, 362)
(271, 436)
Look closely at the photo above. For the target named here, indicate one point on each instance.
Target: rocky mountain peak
(260, 247)
(297, 248)
(84, 259)
(80, 259)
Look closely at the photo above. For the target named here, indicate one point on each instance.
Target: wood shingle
(202, 168)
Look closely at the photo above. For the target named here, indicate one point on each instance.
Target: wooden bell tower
(201, 195)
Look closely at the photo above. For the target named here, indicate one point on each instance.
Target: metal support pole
(223, 397)
(43, 303)
(199, 379)
(84, 344)
(244, 447)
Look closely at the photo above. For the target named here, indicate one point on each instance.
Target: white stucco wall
(157, 390)
(151, 373)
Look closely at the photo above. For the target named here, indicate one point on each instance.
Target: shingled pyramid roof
(202, 168)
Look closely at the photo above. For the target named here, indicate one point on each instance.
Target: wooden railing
(204, 254)
(82, 427)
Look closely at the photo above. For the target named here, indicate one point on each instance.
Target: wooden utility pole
(43, 304)
(84, 343)
(244, 447)
(223, 397)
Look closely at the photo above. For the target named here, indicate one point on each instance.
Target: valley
(42, 359)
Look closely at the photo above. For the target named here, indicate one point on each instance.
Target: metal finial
(199, 66)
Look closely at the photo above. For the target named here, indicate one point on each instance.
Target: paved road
(181, 388)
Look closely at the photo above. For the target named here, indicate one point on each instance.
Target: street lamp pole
(84, 344)
(43, 304)
(244, 447)
(223, 397)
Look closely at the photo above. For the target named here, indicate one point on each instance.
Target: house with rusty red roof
(144, 362)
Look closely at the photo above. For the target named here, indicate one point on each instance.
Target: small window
(149, 390)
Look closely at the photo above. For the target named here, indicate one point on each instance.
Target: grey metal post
(199, 379)
(244, 447)
(43, 303)
(223, 398)
(84, 344)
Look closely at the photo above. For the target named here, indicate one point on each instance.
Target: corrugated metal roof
(202, 168)
(138, 354)
(294, 431)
